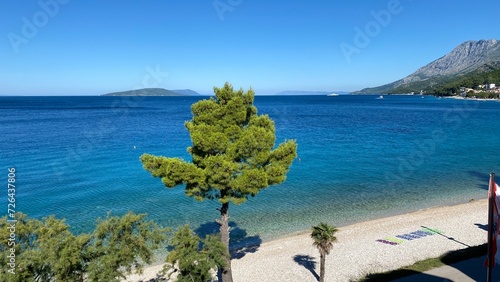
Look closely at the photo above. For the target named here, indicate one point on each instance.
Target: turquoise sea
(359, 158)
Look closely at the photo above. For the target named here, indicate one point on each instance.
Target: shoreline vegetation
(364, 248)
(459, 97)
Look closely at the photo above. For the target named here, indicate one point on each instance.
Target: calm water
(360, 158)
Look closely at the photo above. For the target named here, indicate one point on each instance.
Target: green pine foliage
(192, 259)
(232, 152)
(120, 245)
(46, 250)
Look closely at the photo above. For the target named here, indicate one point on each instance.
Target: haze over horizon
(64, 47)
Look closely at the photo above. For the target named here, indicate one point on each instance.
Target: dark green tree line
(46, 250)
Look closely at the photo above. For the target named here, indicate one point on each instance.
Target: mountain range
(478, 60)
(154, 92)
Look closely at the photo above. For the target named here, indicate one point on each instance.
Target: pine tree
(232, 156)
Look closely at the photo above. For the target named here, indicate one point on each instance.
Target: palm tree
(323, 239)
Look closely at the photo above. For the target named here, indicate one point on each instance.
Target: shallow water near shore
(359, 158)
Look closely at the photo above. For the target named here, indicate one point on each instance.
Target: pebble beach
(363, 248)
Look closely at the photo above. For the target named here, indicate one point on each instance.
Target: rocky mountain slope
(470, 56)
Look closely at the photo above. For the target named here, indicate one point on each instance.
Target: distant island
(472, 69)
(154, 92)
(311, 92)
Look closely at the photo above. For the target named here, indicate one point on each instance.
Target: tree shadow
(482, 177)
(240, 243)
(468, 261)
(308, 262)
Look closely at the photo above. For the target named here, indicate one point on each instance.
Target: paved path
(465, 271)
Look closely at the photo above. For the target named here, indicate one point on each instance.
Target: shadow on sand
(447, 237)
(308, 262)
(240, 243)
(482, 226)
(468, 261)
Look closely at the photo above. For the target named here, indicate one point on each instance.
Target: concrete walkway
(465, 271)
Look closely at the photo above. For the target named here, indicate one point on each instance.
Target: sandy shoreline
(407, 239)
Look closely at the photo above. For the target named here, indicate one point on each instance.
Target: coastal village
(489, 90)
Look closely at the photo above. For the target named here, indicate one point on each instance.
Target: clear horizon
(67, 47)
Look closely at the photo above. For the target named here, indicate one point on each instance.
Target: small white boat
(380, 97)
(333, 94)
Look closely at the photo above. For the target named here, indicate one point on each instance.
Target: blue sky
(77, 47)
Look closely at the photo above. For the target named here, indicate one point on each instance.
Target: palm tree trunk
(322, 268)
(227, 275)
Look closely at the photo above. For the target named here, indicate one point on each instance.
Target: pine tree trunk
(227, 275)
(322, 268)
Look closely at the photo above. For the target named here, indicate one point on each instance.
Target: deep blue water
(360, 158)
